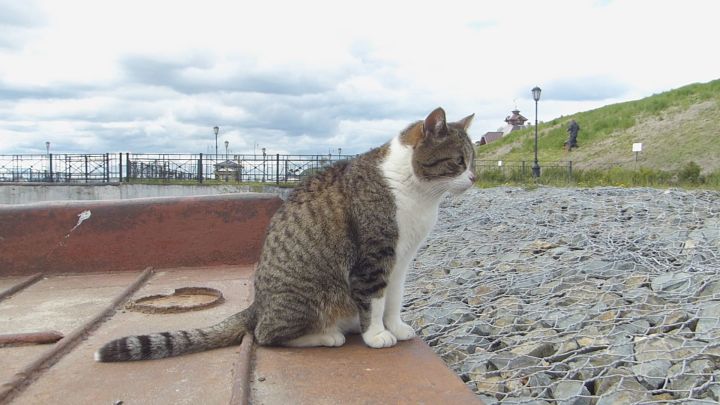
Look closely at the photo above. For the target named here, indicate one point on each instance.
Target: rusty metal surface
(242, 372)
(409, 373)
(36, 338)
(197, 378)
(12, 285)
(94, 236)
(63, 303)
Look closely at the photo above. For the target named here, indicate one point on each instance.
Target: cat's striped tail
(167, 344)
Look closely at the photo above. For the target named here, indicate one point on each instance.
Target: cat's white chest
(416, 209)
(415, 220)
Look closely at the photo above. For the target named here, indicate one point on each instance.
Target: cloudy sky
(312, 76)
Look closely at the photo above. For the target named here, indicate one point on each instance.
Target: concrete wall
(14, 193)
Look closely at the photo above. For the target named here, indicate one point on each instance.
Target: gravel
(574, 296)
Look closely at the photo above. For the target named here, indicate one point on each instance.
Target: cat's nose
(472, 177)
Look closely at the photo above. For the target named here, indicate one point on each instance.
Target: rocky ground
(575, 296)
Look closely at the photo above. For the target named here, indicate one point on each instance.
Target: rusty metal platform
(87, 307)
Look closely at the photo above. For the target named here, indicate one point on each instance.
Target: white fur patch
(417, 205)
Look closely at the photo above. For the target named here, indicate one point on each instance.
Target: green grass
(687, 177)
(675, 127)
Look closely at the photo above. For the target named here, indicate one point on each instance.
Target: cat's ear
(465, 122)
(435, 125)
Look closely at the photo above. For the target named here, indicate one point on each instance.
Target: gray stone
(482, 329)
(634, 327)
(713, 392)
(537, 343)
(671, 282)
(637, 295)
(591, 365)
(571, 392)
(524, 401)
(656, 347)
(540, 383)
(510, 305)
(596, 266)
(463, 276)
(588, 337)
(564, 321)
(548, 288)
(487, 399)
(710, 290)
(612, 377)
(451, 312)
(607, 273)
(686, 377)
(636, 281)
(490, 386)
(620, 387)
(708, 326)
(668, 321)
(508, 361)
(652, 373)
(624, 397)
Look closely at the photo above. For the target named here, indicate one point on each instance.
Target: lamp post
(216, 129)
(47, 149)
(263, 175)
(227, 143)
(536, 96)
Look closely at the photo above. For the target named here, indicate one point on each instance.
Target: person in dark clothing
(573, 129)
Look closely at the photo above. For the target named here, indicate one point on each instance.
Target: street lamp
(216, 130)
(227, 143)
(536, 96)
(264, 167)
(47, 149)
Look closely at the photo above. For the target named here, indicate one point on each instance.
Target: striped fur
(168, 344)
(336, 253)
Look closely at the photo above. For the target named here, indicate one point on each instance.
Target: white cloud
(316, 75)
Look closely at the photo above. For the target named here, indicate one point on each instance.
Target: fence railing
(264, 168)
(521, 169)
(60, 168)
(131, 167)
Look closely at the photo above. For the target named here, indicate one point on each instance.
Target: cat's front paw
(401, 330)
(379, 340)
(334, 339)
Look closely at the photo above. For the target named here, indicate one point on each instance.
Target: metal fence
(263, 168)
(131, 167)
(519, 170)
(62, 168)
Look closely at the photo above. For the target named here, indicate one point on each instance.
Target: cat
(337, 251)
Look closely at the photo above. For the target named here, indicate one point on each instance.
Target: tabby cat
(337, 252)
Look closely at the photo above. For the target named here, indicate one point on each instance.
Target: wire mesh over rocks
(574, 296)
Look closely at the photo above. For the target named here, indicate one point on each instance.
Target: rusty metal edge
(29, 373)
(20, 286)
(241, 375)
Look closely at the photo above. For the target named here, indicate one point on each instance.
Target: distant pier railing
(142, 167)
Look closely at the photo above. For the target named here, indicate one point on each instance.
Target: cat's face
(444, 155)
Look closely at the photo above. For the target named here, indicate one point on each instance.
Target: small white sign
(637, 147)
(499, 163)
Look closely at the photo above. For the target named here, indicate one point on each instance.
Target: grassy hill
(675, 127)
